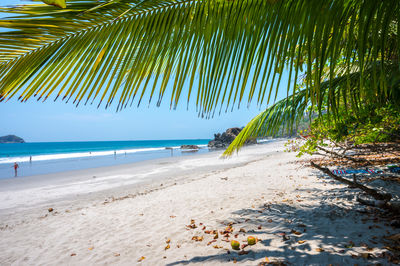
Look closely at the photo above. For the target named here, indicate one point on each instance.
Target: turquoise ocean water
(51, 157)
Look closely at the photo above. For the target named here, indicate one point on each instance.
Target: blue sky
(57, 121)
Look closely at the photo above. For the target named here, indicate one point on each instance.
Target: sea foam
(59, 156)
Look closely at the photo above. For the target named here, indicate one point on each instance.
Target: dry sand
(118, 215)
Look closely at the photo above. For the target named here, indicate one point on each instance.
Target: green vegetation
(370, 127)
(355, 105)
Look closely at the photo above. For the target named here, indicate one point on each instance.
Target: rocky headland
(223, 140)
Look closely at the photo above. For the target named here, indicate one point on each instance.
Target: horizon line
(106, 140)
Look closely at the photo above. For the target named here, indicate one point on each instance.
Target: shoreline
(299, 216)
(88, 183)
(52, 157)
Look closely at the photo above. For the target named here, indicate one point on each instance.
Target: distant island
(11, 139)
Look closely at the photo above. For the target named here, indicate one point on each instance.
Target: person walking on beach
(16, 166)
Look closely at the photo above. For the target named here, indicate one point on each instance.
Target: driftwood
(378, 147)
(342, 155)
(390, 206)
(356, 160)
(382, 200)
(372, 192)
(370, 202)
(361, 150)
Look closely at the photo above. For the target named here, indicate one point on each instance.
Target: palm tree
(224, 52)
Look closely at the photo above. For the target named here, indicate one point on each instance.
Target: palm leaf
(57, 3)
(214, 49)
(286, 113)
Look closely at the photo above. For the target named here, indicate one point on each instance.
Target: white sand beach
(138, 214)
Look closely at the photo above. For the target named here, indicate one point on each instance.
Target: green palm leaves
(345, 88)
(223, 52)
(58, 3)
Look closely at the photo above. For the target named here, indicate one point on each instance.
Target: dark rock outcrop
(11, 139)
(226, 138)
(189, 147)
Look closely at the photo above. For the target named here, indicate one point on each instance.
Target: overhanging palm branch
(286, 113)
(222, 52)
(283, 115)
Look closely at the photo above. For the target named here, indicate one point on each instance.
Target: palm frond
(57, 3)
(286, 113)
(219, 51)
(283, 113)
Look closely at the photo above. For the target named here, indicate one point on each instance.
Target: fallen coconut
(235, 245)
(251, 240)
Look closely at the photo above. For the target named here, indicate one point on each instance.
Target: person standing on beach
(30, 159)
(16, 166)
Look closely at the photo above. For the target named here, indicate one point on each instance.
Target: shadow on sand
(334, 228)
